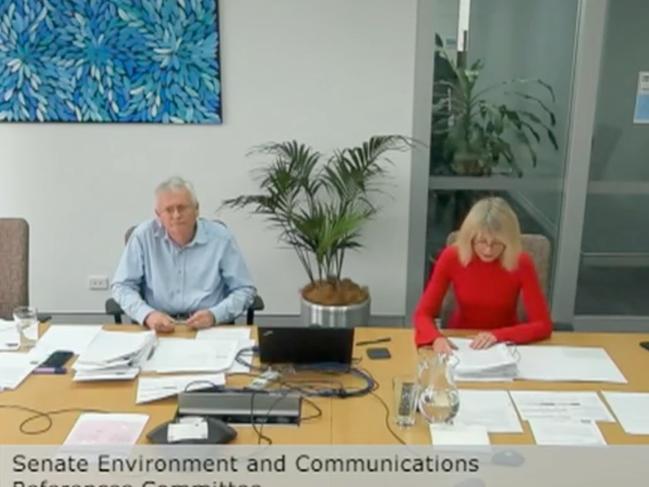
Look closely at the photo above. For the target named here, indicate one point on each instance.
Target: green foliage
(472, 135)
(320, 206)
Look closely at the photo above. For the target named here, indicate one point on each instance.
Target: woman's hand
(442, 345)
(483, 340)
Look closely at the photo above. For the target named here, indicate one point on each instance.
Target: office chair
(114, 309)
(538, 247)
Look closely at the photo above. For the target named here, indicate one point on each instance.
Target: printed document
(631, 409)
(561, 405)
(554, 363)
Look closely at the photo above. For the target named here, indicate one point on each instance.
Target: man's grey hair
(176, 183)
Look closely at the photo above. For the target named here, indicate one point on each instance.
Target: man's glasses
(180, 209)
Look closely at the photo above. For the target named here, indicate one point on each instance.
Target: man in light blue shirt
(181, 267)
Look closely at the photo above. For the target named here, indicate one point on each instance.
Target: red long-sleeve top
(486, 296)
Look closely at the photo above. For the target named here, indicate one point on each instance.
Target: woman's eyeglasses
(486, 243)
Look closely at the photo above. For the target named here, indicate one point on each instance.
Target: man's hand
(483, 340)
(442, 345)
(201, 319)
(159, 322)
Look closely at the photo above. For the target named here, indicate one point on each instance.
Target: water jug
(439, 399)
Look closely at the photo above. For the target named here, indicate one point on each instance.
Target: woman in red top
(488, 270)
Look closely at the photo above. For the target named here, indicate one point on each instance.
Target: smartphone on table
(55, 363)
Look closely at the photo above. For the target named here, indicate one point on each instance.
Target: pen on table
(372, 342)
(50, 370)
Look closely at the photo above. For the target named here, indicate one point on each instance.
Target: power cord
(387, 418)
(45, 415)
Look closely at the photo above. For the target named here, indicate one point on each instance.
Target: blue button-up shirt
(155, 273)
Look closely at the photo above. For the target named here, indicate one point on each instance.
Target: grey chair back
(14, 265)
(538, 246)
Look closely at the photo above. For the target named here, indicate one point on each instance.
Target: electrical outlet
(97, 282)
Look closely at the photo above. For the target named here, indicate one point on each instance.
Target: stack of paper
(189, 355)
(114, 355)
(493, 363)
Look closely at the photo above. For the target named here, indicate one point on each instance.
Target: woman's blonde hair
(492, 216)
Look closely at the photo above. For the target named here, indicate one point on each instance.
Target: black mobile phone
(378, 353)
(645, 345)
(57, 359)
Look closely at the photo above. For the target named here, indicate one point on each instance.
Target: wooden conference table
(358, 420)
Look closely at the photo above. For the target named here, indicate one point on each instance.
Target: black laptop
(315, 346)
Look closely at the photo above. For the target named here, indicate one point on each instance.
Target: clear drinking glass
(406, 391)
(24, 317)
(439, 399)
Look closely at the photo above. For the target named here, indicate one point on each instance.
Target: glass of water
(24, 318)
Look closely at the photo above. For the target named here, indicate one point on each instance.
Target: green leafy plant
(472, 135)
(320, 206)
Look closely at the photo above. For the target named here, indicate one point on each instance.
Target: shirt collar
(200, 237)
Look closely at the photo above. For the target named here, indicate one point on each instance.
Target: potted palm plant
(319, 206)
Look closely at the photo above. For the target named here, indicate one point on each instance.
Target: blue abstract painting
(110, 61)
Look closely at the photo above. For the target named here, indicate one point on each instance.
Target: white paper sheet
(554, 363)
(154, 388)
(14, 368)
(492, 409)
(569, 433)
(561, 406)
(106, 429)
(9, 336)
(238, 368)
(242, 337)
(224, 333)
(459, 435)
(631, 410)
(74, 338)
(189, 355)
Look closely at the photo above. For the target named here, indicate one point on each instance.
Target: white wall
(328, 73)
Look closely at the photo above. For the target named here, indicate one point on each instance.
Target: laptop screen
(305, 345)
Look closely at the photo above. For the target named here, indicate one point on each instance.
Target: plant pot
(339, 316)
